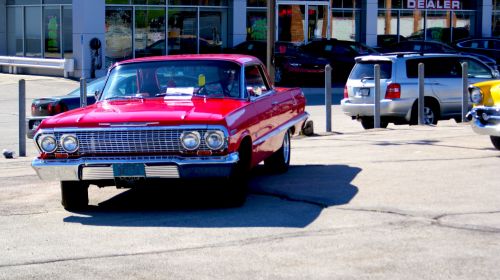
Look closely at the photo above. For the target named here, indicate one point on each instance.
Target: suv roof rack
(402, 54)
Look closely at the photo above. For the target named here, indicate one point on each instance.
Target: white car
(399, 87)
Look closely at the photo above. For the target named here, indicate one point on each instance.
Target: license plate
(129, 170)
(363, 92)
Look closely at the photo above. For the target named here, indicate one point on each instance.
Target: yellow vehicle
(485, 114)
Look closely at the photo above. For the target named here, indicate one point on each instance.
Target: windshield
(365, 70)
(174, 79)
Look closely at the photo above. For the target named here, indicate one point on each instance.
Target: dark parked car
(41, 108)
(259, 49)
(316, 54)
(436, 47)
(486, 46)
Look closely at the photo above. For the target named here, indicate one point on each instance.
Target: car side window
(477, 70)
(254, 81)
(439, 67)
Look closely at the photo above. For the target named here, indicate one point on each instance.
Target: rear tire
(431, 113)
(495, 140)
(74, 195)
(367, 123)
(279, 161)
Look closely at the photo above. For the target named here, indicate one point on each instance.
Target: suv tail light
(393, 91)
(346, 94)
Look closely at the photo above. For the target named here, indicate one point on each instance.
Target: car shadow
(294, 199)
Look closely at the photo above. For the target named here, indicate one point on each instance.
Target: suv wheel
(431, 113)
(278, 75)
(367, 123)
(495, 140)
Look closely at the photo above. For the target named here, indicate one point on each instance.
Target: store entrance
(301, 22)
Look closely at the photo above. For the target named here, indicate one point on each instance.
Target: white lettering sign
(433, 4)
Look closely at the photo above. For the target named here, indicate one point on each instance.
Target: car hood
(147, 112)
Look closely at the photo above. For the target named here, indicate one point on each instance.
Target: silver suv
(399, 87)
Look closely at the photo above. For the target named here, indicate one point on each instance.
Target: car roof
(237, 58)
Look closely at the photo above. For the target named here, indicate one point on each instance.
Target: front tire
(431, 114)
(74, 195)
(279, 161)
(495, 140)
(367, 123)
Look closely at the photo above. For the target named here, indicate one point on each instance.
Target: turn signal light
(393, 91)
(346, 94)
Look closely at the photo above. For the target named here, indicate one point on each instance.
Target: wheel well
(245, 150)
(427, 100)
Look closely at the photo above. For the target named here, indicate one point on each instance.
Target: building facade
(97, 33)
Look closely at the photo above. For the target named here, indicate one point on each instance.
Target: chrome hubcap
(428, 115)
(286, 147)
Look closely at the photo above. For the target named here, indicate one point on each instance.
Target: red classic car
(186, 116)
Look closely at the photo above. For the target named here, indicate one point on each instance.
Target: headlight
(47, 143)
(475, 95)
(69, 143)
(190, 140)
(214, 139)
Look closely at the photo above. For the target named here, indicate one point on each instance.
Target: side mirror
(496, 74)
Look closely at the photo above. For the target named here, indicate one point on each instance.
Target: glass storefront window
(198, 2)
(182, 31)
(211, 31)
(345, 24)
(256, 3)
(33, 34)
(342, 4)
(257, 25)
(15, 31)
(52, 31)
(117, 1)
(67, 30)
(150, 32)
(118, 34)
(291, 23)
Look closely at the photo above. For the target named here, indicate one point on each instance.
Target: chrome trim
(282, 128)
(485, 129)
(162, 171)
(70, 169)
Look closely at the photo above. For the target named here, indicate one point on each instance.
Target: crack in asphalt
(435, 220)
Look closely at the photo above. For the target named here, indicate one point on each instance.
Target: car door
(262, 103)
(444, 74)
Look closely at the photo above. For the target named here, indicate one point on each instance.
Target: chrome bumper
(92, 169)
(388, 107)
(485, 120)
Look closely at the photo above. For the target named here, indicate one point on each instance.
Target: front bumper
(485, 120)
(156, 167)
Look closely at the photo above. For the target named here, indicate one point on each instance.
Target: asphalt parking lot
(412, 202)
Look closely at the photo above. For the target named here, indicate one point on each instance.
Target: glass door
(301, 22)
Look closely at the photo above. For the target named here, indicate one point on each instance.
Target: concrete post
(421, 93)
(3, 28)
(465, 92)
(376, 101)
(22, 118)
(83, 92)
(328, 97)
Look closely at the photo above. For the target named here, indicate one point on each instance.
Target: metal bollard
(421, 93)
(22, 118)
(376, 101)
(465, 92)
(83, 92)
(328, 97)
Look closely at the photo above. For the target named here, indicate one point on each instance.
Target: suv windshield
(174, 78)
(364, 70)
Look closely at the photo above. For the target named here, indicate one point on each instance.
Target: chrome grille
(130, 141)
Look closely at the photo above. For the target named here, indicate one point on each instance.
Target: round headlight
(47, 143)
(69, 143)
(475, 94)
(214, 139)
(190, 140)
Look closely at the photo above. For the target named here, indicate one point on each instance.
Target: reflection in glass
(345, 25)
(32, 19)
(15, 31)
(67, 30)
(411, 22)
(464, 25)
(149, 32)
(318, 22)
(118, 34)
(182, 31)
(211, 31)
(257, 25)
(291, 23)
(52, 31)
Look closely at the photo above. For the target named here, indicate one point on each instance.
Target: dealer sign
(433, 4)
